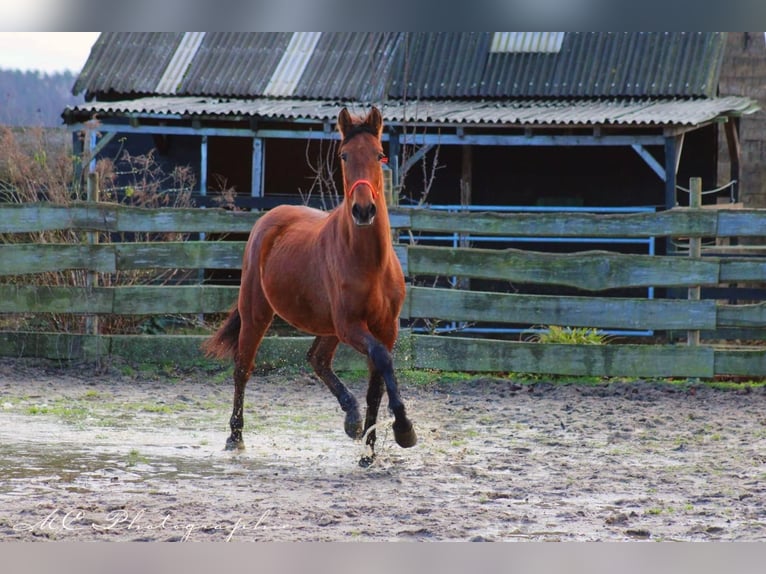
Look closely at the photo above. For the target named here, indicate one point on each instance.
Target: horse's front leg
(320, 357)
(374, 395)
(380, 357)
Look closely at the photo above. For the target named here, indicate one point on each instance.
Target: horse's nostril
(363, 215)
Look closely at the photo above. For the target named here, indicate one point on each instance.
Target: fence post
(91, 277)
(695, 250)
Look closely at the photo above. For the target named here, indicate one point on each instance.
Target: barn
(608, 120)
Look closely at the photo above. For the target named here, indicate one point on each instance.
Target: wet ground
(118, 454)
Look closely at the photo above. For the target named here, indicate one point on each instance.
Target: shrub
(38, 166)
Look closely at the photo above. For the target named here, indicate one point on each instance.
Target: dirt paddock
(129, 455)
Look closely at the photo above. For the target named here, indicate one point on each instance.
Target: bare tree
(323, 167)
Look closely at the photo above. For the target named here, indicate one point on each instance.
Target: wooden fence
(590, 273)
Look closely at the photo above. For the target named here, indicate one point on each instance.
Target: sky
(45, 51)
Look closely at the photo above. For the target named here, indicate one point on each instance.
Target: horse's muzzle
(363, 215)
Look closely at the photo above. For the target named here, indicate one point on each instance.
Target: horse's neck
(371, 244)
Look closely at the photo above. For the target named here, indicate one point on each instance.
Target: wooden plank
(110, 217)
(741, 362)
(147, 300)
(19, 259)
(113, 218)
(742, 315)
(675, 222)
(589, 270)
(54, 299)
(741, 222)
(750, 269)
(188, 220)
(127, 300)
(180, 255)
(274, 351)
(484, 355)
(604, 313)
(32, 218)
(55, 346)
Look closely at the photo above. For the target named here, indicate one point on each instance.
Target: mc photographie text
(141, 522)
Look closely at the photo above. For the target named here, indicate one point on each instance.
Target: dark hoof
(366, 461)
(233, 443)
(353, 426)
(405, 434)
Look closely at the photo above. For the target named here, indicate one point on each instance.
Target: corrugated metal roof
(350, 66)
(127, 62)
(234, 64)
(176, 70)
(527, 42)
(437, 65)
(530, 112)
(292, 64)
(589, 64)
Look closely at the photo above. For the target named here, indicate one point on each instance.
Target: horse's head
(361, 154)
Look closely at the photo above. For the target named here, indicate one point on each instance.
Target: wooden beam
(735, 154)
(671, 160)
(650, 161)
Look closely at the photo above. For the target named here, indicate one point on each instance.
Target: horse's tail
(225, 341)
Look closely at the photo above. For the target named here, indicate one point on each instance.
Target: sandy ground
(121, 455)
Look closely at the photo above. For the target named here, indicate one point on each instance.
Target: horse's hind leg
(320, 357)
(254, 326)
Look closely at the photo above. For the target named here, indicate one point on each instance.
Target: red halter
(366, 182)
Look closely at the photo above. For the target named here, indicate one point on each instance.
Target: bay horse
(331, 274)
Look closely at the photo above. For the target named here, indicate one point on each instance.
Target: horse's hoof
(234, 444)
(404, 434)
(366, 461)
(353, 426)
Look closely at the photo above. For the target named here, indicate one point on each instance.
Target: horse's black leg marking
(404, 434)
(374, 395)
(235, 441)
(320, 357)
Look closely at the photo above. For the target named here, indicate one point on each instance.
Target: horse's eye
(344, 156)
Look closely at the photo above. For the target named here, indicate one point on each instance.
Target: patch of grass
(134, 458)
(64, 410)
(571, 336)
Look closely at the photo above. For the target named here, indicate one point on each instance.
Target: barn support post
(256, 185)
(78, 153)
(671, 165)
(91, 277)
(203, 153)
(466, 193)
(695, 250)
(394, 149)
(203, 166)
(671, 168)
(731, 127)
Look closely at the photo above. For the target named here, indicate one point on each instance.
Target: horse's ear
(345, 123)
(375, 120)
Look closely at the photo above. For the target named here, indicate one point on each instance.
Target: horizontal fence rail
(588, 272)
